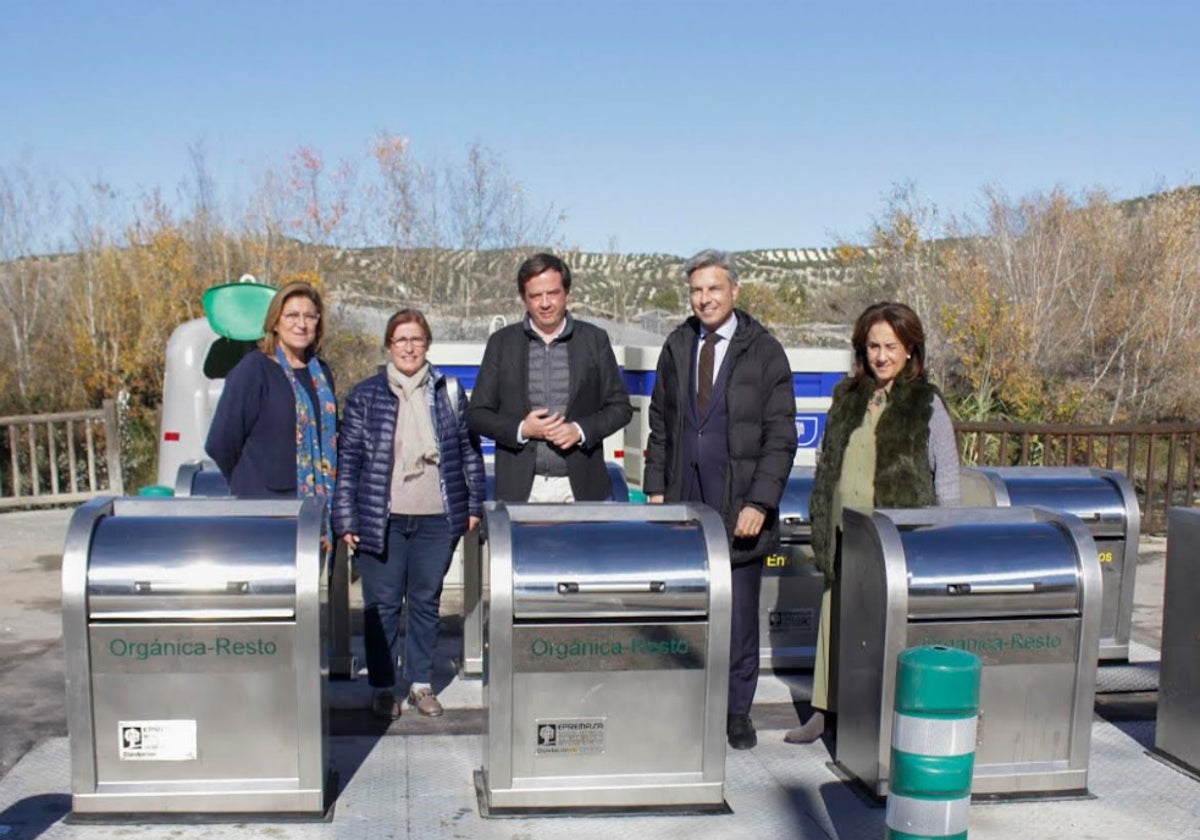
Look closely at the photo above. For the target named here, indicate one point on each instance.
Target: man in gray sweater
(548, 393)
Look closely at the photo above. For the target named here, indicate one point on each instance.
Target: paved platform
(413, 778)
(420, 786)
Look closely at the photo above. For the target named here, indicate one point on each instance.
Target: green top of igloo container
(237, 310)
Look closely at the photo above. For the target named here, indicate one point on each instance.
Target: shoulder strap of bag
(452, 389)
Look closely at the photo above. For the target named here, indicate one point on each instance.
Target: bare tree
(478, 194)
(204, 224)
(29, 216)
(264, 225)
(489, 211)
(902, 263)
(396, 193)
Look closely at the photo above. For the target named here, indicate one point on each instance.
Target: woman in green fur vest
(889, 443)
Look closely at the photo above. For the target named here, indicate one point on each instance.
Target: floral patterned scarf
(316, 454)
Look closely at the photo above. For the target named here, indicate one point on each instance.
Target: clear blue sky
(667, 126)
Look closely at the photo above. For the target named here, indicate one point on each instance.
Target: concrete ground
(32, 697)
(32, 705)
(792, 785)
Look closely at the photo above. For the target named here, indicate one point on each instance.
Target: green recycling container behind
(237, 310)
(156, 490)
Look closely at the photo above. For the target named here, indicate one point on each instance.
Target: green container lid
(156, 490)
(237, 310)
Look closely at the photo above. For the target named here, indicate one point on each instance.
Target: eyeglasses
(411, 342)
(295, 317)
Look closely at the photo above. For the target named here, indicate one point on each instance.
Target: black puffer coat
(762, 427)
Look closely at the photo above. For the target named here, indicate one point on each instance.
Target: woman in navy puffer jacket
(410, 483)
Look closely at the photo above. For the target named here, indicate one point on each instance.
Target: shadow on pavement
(30, 817)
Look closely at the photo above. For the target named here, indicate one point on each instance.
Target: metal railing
(1159, 458)
(63, 458)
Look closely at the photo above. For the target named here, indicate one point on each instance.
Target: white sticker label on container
(580, 736)
(157, 740)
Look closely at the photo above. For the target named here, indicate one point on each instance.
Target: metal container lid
(189, 567)
(1092, 495)
(200, 478)
(797, 493)
(616, 569)
(991, 569)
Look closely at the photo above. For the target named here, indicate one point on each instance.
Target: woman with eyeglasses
(411, 484)
(274, 432)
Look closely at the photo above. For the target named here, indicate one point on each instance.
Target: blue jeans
(417, 559)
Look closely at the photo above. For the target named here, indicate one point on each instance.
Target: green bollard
(933, 743)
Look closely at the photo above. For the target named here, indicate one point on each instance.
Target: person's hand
(472, 523)
(565, 435)
(655, 499)
(351, 541)
(749, 522)
(540, 422)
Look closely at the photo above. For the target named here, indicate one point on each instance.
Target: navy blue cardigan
(253, 433)
(361, 502)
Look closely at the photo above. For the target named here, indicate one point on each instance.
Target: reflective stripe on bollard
(933, 744)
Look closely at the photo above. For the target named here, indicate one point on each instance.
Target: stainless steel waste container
(1020, 588)
(475, 573)
(1177, 734)
(475, 590)
(790, 602)
(193, 637)
(607, 669)
(1106, 503)
(203, 478)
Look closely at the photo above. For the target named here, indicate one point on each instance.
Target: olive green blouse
(856, 488)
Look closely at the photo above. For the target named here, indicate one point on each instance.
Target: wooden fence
(1159, 459)
(64, 458)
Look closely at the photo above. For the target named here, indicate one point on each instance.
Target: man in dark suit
(723, 432)
(548, 393)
